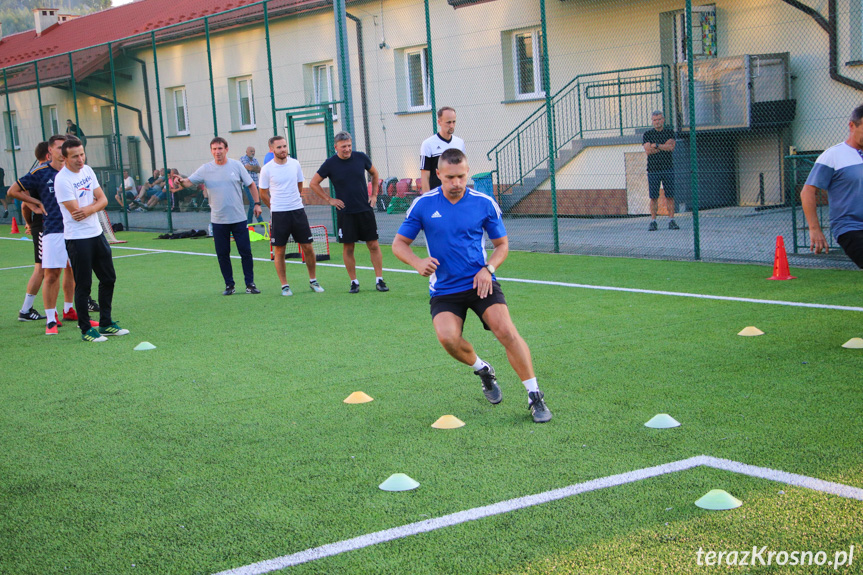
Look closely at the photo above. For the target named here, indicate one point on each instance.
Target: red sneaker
(70, 315)
(51, 328)
(94, 323)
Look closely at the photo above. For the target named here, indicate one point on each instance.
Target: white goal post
(105, 222)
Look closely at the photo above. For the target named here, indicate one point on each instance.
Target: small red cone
(15, 229)
(780, 262)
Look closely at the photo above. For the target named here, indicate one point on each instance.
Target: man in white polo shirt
(433, 147)
(281, 185)
(81, 198)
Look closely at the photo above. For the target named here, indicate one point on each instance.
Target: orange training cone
(15, 229)
(780, 262)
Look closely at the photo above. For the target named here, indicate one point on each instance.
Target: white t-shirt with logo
(282, 180)
(69, 185)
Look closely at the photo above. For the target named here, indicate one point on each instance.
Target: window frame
(251, 124)
(54, 120)
(329, 68)
(176, 115)
(536, 59)
(13, 137)
(422, 51)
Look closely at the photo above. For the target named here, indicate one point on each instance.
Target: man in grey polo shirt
(224, 179)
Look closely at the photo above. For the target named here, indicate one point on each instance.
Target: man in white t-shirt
(129, 189)
(281, 188)
(81, 198)
(433, 147)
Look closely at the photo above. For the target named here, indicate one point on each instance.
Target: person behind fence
(129, 189)
(81, 198)
(436, 145)
(659, 142)
(839, 172)
(356, 208)
(223, 179)
(461, 276)
(254, 167)
(73, 130)
(281, 190)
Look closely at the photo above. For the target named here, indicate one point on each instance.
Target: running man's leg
(500, 323)
(448, 328)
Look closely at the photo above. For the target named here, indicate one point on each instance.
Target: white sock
(67, 305)
(52, 315)
(28, 302)
(530, 384)
(379, 279)
(356, 282)
(312, 280)
(478, 364)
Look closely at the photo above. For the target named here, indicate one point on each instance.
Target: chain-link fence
(647, 129)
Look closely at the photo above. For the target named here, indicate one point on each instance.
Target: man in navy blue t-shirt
(356, 215)
(453, 218)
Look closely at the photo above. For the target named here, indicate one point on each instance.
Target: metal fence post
(161, 123)
(430, 67)
(74, 89)
(117, 137)
(549, 112)
(39, 97)
(270, 69)
(344, 64)
(9, 123)
(693, 146)
(210, 67)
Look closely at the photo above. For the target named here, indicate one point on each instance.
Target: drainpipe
(363, 106)
(147, 104)
(141, 127)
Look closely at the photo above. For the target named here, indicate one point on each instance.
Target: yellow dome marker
(358, 397)
(448, 422)
(854, 343)
(751, 331)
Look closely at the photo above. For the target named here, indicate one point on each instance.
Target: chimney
(45, 18)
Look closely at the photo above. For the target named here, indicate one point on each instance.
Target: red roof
(121, 22)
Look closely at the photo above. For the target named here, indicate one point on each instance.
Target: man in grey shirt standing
(224, 179)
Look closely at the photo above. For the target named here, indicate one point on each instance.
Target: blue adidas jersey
(454, 235)
(40, 184)
(839, 170)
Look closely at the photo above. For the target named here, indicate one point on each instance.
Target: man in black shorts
(461, 276)
(356, 213)
(281, 182)
(659, 145)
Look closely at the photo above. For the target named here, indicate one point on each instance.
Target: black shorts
(293, 223)
(653, 180)
(459, 303)
(37, 244)
(852, 243)
(360, 227)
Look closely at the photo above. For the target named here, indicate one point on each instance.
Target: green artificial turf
(230, 444)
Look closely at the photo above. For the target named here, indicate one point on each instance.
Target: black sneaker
(31, 315)
(381, 286)
(538, 409)
(229, 290)
(489, 385)
(92, 305)
(652, 227)
(672, 225)
(252, 288)
(355, 288)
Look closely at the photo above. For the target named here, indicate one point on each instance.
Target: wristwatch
(490, 268)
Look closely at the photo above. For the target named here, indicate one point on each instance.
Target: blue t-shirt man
(454, 234)
(839, 171)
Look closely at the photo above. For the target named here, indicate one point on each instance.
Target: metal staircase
(598, 109)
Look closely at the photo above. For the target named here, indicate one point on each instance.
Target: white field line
(17, 268)
(572, 285)
(531, 500)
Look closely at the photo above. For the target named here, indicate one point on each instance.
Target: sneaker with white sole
(316, 287)
(31, 315)
(113, 329)
(286, 290)
(490, 388)
(381, 286)
(51, 328)
(92, 336)
(538, 409)
(92, 305)
(252, 289)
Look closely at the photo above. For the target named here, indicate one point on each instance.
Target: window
(527, 63)
(417, 77)
(322, 82)
(181, 111)
(53, 121)
(10, 121)
(242, 103)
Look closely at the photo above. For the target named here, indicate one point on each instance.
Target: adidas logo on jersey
(436, 214)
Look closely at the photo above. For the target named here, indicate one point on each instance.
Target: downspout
(363, 105)
(834, 50)
(149, 140)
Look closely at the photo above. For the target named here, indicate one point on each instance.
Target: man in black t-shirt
(659, 145)
(356, 215)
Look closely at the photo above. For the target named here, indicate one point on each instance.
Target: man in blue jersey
(839, 171)
(453, 218)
